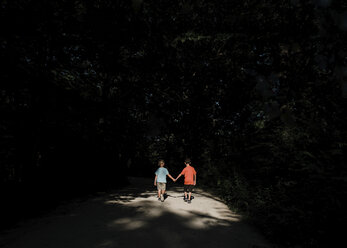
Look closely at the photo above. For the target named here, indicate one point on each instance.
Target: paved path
(133, 217)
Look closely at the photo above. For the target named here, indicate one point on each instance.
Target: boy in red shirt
(189, 180)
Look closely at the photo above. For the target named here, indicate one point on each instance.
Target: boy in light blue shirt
(160, 179)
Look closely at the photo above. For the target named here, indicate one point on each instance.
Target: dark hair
(161, 160)
(188, 161)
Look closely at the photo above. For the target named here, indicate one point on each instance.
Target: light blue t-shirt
(161, 173)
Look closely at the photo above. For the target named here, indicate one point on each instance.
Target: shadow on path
(133, 217)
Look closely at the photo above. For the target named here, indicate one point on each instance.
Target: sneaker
(192, 197)
(189, 201)
(185, 199)
(162, 198)
(158, 198)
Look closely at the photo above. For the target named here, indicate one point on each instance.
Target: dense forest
(253, 91)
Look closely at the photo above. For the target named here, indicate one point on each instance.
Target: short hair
(188, 161)
(161, 160)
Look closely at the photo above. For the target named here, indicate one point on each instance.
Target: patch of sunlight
(207, 221)
(128, 223)
(113, 202)
(203, 213)
(120, 199)
(154, 212)
(105, 244)
(200, 223)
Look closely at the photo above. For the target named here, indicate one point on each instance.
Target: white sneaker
(161, 197)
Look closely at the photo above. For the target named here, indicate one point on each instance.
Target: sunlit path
(133, 217)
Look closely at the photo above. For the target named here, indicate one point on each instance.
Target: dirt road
(133, 217)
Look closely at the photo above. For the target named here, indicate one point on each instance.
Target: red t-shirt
(188, 173)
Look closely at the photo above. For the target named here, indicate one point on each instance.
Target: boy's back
(161, 173)
(188, 173)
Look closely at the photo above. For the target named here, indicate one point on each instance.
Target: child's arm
(178, 176)
(195, 179)
(155, 180)
(173, 179)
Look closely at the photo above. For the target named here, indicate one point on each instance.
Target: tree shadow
(134, 218)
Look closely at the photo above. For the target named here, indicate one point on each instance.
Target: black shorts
(188, 187)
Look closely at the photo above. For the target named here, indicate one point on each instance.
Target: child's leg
(190, 189)
(160, 189)
(186, 190)
(163, 188)
(162, 196)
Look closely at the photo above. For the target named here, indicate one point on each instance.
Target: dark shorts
(188, 187)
